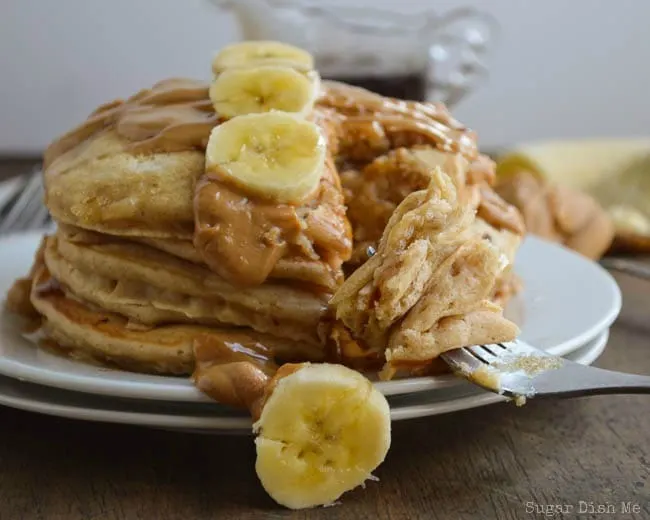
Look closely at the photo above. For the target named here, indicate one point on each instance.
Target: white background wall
(562, 68)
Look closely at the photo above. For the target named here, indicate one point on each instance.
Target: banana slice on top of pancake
(276, 155)
(254, 53)
(264, 88)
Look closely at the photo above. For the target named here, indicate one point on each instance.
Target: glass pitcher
(420, 56)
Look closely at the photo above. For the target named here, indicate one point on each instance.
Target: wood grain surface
(549, 459)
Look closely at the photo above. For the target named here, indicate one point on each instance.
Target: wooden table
(498, 462)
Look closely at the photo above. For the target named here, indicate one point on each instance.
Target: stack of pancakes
(239, 230)
(153, 255)
(121, 280)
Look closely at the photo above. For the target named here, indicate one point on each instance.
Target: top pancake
(103, 187)
(131, 167)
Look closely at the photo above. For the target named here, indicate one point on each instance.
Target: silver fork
(25, 210)
(520, 371)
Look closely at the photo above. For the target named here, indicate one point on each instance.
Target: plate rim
(206, 424)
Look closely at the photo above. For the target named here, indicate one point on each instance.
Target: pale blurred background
(559, 69)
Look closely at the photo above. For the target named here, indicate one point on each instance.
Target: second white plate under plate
(566, 302)
(215, 419)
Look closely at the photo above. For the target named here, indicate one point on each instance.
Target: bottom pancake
(89, 333)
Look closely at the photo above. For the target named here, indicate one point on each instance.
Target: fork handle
(589, 381)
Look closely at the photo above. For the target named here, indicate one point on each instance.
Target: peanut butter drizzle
(233, 368)
(173, 115)
(238, 374)
(429, 120)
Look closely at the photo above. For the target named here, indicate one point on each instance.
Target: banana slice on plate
(276, 155)
(262, 89)
(255, 53)
(322, 431)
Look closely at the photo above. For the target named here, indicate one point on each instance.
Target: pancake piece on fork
(429, 285)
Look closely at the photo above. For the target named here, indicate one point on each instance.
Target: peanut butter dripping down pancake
(234, 369)
(174, 115)
(241, 237)
(424, 122)
(266, 231)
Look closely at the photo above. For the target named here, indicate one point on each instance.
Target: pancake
(105, 188)
(154, 287)
(312, 275)
(503, 239)
(92, 334)
(159, 304)
(110, 174)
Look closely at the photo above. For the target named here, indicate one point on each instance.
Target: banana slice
(262, 89)
(276, 155)
(254, 53)
(322, 431)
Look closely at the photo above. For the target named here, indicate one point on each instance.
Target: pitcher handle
(460, 42)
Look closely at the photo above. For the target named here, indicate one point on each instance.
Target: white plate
(214, 418)
(567, 301)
